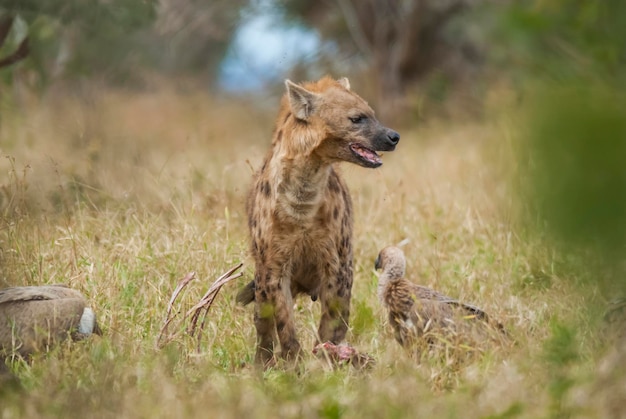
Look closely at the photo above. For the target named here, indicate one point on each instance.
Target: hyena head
(336, 124)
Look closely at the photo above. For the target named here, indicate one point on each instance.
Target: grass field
(121, 195)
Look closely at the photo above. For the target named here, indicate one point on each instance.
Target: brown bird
(415, 310)
(34, 318)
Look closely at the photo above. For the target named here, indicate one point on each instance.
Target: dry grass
(121, 195)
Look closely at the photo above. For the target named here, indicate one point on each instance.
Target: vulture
(414, 310)
(34, 318)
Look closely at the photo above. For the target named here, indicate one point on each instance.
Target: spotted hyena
(300, 212)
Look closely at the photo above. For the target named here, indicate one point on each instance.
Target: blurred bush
(567, 59)
(573, 156)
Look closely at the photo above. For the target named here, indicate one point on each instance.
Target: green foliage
(573, 161)
(363, 319)
(561, 39)
(561, 352)
(569, 59)
(561, 348)
(84, 38)
(331, 409)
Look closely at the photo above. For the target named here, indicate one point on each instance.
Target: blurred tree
(117, 40)
(22, 50)
(81, 38)
(193, 35)
(402, 41)
(560, 40)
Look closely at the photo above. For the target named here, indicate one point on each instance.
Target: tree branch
(20, 53)
(6, 22)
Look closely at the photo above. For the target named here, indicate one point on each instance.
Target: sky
(264, 48)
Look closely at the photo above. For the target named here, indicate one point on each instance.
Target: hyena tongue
(366, 154)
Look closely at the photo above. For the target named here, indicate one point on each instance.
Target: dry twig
(200, 309)
(168, 317)
(207, 300)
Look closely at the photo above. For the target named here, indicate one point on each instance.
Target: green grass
(123, 197)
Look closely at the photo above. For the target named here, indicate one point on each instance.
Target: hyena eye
(357, 119)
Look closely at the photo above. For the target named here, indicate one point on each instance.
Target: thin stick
(209, 296)
(197, 310)
(206, 302)
(168, 317)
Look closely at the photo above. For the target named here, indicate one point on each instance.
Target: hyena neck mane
(320, 124)
(300, 179)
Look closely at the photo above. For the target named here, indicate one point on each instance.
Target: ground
(121, 195)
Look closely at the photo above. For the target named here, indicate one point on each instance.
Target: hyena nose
(393, 137)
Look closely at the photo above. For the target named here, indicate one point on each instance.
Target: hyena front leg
(335, 299)
(263, 321)
(274, 313)
(285, 324)
(265, 337)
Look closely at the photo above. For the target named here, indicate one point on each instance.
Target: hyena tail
(246, 294)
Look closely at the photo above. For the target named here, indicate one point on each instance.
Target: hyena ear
(301, 101)
(344, 82)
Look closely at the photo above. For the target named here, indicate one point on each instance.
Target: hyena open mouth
(367, 156)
